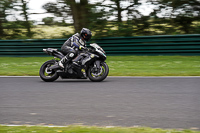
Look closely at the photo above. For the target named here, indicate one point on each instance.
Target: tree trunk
(2, 18)
(1, 30)
(79, 13)
(1, 27)
(27, 24)
(119, 11)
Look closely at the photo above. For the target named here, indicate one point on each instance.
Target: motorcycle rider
(75, 43)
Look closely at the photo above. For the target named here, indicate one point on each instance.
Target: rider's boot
(66, 59)
(62, 61)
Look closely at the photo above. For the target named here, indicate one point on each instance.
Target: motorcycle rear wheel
(98, 76)
(48, 76)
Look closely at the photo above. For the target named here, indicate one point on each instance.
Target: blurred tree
(80, 11)
(83, 13)
(181, 13)
(121, 5)
(59, 9)
(117, 10)
(48, 20)
(5, 5)
(25, 14)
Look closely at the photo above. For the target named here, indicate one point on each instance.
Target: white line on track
(19, 76)
(154, 76)
(54, 125)
(192, 128)
(32, 125)
(113, 76)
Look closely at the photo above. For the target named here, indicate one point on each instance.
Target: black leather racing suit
(71, 46)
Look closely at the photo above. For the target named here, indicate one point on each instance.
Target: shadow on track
(75, 80)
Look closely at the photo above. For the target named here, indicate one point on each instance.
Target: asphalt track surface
(158, 102)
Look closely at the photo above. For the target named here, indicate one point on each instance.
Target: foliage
(181, 13)
(5, 5)
(10, 29)
(48, 20)
(105, 18)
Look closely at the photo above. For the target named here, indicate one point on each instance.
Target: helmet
(86, 34)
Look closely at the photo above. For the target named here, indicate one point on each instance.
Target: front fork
(97, 68)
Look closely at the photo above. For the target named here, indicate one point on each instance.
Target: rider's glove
(81, 47)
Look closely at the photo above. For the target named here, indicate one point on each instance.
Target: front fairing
(99, 51)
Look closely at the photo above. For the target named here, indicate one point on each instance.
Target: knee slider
(71, 55)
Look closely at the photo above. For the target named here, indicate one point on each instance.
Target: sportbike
(91, 64)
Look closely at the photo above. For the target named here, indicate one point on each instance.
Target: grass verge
(86, 129)
(119, 65)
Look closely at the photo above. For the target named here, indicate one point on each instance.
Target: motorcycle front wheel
(48, 75)
(98, 75)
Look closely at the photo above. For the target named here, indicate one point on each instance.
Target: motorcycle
(89, 64)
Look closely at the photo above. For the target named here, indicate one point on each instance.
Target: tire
(50, 76)
(100, 76)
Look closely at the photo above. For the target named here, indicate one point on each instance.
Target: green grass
(87, 129)
(155, 65)
(21, 66)
(119, 65)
